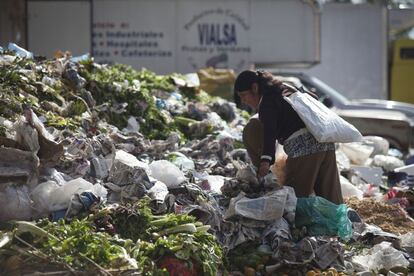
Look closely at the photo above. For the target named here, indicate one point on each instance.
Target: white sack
(324, 124)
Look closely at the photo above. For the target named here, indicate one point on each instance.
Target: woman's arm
(268, 116)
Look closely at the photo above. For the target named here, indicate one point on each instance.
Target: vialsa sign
(217, 34)
(191, 35)
(186, 35)
(216, 37)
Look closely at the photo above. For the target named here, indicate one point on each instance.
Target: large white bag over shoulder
(324, 124)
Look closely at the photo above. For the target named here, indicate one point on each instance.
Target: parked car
(389, 119)
(333, 98)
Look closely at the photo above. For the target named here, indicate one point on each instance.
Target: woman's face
(250, 97)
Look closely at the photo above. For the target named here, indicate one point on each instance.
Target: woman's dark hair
(266, 81)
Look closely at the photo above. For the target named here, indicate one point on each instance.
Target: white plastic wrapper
(167, 173)
(324, 124)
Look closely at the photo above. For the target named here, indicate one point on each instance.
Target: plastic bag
(350, 190)
(41, 196)
(44, 195)
(381, 145)
(212, 183)
(51, 174)
(324, 124)
(382, 255)
(59, 199)
(388, 163)
(358, 153)
(167, 173)
(216, 182)
(268, 207)
(322, 217)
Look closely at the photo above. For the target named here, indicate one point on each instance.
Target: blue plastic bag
(322, 217)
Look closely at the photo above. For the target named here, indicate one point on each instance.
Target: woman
(311, 165)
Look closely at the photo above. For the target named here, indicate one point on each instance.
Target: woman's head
(246, 88)
(251, 85)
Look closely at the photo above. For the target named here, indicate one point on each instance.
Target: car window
(312, 84)
(327, 90)
(313, 89)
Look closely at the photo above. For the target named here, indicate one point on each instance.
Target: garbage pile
(109, 170)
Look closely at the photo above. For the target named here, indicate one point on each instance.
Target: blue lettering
(230, 34)
(217, 34)
(202, 33)
(213, 38)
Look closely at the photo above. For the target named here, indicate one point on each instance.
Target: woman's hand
(288, 90)
(263, 169)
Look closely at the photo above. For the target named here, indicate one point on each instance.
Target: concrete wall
(12, 22)
(66, 34)
(354, 50)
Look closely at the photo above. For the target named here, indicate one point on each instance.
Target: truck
(402, 70)
(193, 34)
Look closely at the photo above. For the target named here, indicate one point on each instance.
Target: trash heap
(109, 170)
